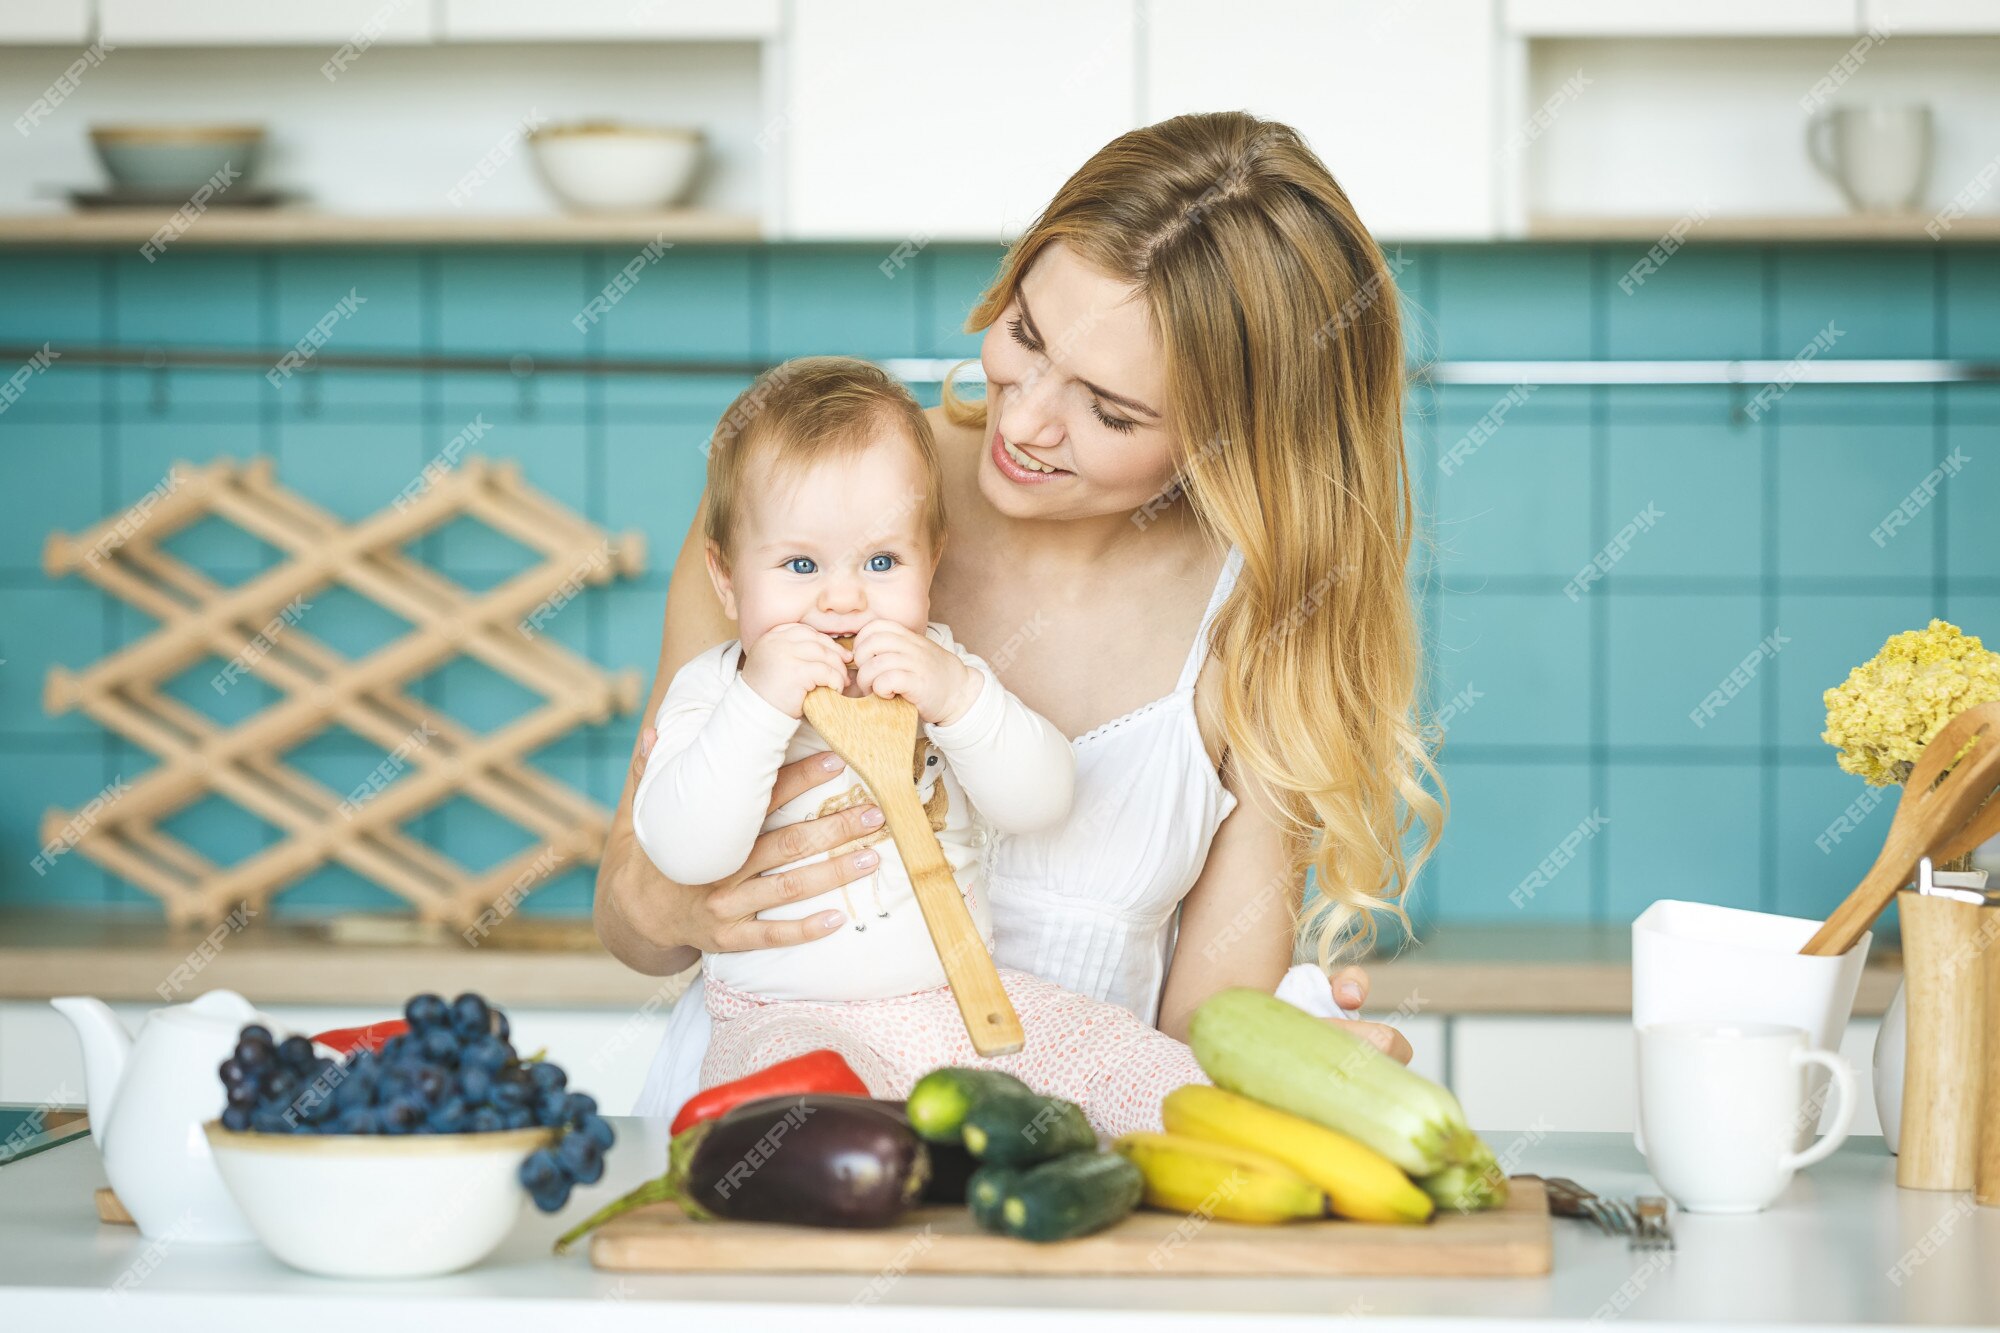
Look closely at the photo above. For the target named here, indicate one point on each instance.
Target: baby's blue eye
(881, 564)
(800, 564)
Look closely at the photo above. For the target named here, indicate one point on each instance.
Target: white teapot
(148, 1099)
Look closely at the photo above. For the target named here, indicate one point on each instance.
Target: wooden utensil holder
(1952, 1052)
(1986, 1171)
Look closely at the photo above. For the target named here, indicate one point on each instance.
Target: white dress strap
(1232, 564)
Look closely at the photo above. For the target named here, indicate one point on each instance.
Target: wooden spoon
(1980, 829)
(877, 737)
(1942, 814)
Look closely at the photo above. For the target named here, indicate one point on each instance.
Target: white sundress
(1092, 903)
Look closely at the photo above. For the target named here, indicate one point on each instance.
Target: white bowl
(598, 167)
(377, 1205)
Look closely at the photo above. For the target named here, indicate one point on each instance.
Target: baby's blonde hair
(811, 408)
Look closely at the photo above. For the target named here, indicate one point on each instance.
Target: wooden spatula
(1934, 818)
(877, 737)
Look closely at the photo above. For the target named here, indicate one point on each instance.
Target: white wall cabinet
(1943, 17)
(1686, 18)
(1398, 99)
(45, 21)
(607, 20)
(263, 22)
(945, 119)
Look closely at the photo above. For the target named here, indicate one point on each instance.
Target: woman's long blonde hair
(1278, 317)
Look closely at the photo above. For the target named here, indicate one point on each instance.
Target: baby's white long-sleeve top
(1000, 768)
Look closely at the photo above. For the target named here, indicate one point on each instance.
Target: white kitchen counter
(1843, 1248)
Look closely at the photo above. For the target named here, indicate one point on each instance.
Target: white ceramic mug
(1878, 156)
(1722, 1103)
(1696, 961)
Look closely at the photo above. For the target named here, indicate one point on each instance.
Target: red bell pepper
(372, 1037)
(815, 1071)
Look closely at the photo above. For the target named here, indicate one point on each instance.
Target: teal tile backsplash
(1582, 789)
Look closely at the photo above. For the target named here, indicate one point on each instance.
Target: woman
(1180, 522)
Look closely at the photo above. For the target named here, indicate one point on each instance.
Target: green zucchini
(986, 1191)
(1253, 1043)
(1070, 1196)
(1019, 1128)
(937, 1105)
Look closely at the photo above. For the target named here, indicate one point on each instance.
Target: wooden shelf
(291, 226)
(1813, 227)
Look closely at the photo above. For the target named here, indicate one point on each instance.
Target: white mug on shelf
(1878, 156)
(1722, 1103)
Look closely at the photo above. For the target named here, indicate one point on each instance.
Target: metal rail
(931, 370)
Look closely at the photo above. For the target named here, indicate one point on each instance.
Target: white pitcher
(148, 1098)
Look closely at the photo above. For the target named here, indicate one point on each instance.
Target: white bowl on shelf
(377, 1205)
(611, 167)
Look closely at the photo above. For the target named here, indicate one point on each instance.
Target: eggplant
(820, 1159)
(816, 1159)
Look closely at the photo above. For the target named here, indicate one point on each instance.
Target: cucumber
(1020, 1128)
(1070, 1196)
(951, 1164)
(986, 1191)
(937, 1105)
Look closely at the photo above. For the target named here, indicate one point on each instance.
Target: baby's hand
(789, 661)
(891, 660)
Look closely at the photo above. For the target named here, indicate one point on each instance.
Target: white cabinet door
(907, 120)
(1519, 1073)
(263, 22)
(605, 1052)
(607, 20)
(1684, 18)
(1426, 1035)
(64, 21)
(1397, 99)
(1932, 16)
(1532, 1074)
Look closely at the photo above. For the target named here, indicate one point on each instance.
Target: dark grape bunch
(453, 1072)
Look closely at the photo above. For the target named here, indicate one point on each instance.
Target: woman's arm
(1236, 922)
(658, 927)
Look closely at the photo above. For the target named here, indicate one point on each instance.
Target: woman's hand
(722, 917)
(1350, 989)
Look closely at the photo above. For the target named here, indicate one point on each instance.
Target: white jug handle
(1843, 1116)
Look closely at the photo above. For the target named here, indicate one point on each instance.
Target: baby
(825, 519)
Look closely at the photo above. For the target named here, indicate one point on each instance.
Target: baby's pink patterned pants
(1091, 1052)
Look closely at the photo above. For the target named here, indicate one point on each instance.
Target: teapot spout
(106, 1045)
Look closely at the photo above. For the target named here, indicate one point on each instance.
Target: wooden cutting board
(1508, 1242)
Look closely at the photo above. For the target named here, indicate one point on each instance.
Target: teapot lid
(212, 1009)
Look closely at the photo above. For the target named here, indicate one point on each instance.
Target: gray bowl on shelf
(175, 158)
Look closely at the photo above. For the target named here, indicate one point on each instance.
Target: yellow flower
(1888, 709)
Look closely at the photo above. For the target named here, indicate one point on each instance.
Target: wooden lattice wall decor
(255, 628)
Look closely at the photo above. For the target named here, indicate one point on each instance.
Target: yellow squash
(1215, 1180)
(1360, 1182)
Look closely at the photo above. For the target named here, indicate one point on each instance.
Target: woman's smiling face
(1076, 392)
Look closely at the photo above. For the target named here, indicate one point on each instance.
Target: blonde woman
(1179, 525)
